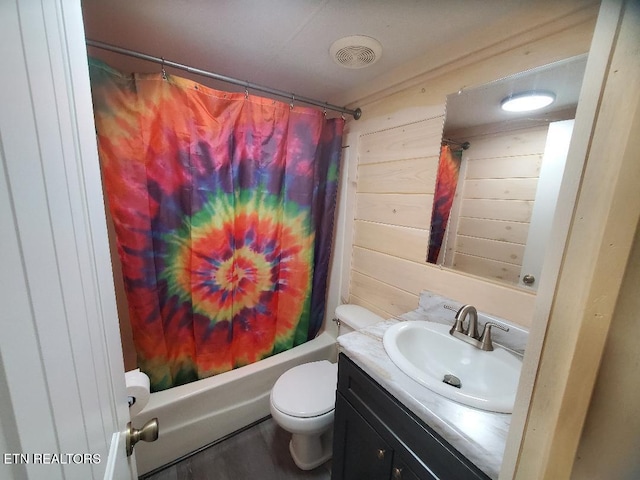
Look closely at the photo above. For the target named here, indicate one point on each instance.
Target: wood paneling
(501, 188)
(503, 231)
(395, 209)
(417, 175)
(405, 127)
(355, 300)
(406, 278)
(487, 268)
(403, 274)
(490, 249)
(397, 169)
(527, 166)
(510, 144)
(412, 140)
(383, 296)
(393, 215)
(515, 211)
(402, 242)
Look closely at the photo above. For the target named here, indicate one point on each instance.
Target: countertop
(478, 435)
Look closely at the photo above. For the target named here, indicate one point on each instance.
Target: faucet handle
(485, 338)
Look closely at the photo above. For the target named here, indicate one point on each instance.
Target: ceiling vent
(356, 51)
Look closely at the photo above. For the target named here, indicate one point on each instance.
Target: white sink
(426, 352)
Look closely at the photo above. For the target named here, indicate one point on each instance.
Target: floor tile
(260, 452)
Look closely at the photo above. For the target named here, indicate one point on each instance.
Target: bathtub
(194, 415)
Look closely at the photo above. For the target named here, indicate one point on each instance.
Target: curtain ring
(293, 99)
(246, 93)
(164, 73)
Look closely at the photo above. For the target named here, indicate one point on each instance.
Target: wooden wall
(611, 435)
(396, 177)
(492, 212)
(389, 191)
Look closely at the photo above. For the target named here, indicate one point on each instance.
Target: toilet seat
(307, 390)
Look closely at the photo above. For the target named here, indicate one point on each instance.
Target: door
(63, 408)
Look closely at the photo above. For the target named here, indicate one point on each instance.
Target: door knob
(148, 433)
(528, 279)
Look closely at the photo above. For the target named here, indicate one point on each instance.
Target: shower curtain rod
(463, 145)
(357, 113)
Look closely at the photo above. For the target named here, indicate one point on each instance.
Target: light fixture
(527, 101)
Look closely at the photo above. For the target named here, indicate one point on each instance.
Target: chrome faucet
(470, 334)
(461, 316)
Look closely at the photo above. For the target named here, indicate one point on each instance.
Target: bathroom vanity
(388, 426)
(377, 438)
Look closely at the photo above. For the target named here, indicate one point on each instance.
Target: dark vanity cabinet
(377, 438)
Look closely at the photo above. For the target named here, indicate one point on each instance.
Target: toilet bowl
(303, 399)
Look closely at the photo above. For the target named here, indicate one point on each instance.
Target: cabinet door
(359, 452)
(401, 471)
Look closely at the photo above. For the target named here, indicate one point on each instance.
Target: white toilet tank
(354, 317)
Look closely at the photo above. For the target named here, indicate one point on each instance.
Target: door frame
(62, 369)
(572, 316)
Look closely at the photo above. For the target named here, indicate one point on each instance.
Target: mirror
(499, 175)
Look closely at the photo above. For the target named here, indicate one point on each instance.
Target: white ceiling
(283, 44)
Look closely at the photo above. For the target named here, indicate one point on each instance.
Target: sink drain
(452, 380)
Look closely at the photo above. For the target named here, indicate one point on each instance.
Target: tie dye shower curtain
(223, 209)
(446, 184)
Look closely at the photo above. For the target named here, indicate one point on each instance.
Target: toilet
(303, 399)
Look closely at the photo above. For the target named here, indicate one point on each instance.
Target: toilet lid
(307, 390)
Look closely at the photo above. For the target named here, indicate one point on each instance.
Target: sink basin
(426, 352)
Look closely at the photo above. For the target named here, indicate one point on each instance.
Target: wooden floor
(260, 452)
